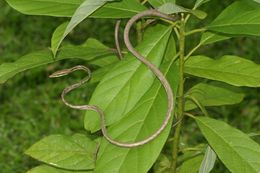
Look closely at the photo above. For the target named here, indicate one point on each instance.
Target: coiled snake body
(151, 66)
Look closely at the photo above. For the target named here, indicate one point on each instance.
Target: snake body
(151, 66)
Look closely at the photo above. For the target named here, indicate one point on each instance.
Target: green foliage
(61, 8)
(88, 51)
(137, 121)
(235, 149)
(241, 17)
(119, 95)
(75, 153)
(230, 69)
(213, 94)
(134, 101)
(82, 12)
(57, 36)
(208, 161)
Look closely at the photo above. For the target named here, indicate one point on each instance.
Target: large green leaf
(66, 8)
(49, 169)
(143, 120)
(192, 165)
(126, 83)
(157, 3)
(75, 153)
(236, 150)
(242, 17)
(82, 12)
(90, 50)
(213, 94)
(230, 69)
(208, 161)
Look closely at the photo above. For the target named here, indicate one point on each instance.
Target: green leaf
(242, 17)
(208, 161)
(213, 94)
(75, 153)
(90, 50)
(57, 36)
(62, 8)
(171, 8)
(236, 150)
(191, 165)
(230, 69)
(83, 11)
(49, 169)
(126, 83)
(157, 3)
(209, 38)
(143, 120)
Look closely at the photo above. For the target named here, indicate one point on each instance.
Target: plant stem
(180, 112)
(195, 31)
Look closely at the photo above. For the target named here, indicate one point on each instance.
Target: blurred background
(30, 104)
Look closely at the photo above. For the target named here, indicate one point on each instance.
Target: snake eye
(60, 73)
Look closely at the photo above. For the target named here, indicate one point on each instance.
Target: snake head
(60, 73)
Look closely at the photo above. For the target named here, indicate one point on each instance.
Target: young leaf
(157, 3)
(242, 17)
(171, 8)
(208, 161)
(191, 165)
(236, 150)
(90, 50)
(143, 120)
(62, 8)
(75, 153)
(49, 169)
(213, 94)
(230, 69)
(209, 38)
(125, 84)
(82, 12)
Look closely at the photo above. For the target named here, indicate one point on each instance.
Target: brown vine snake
(141, 58)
